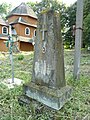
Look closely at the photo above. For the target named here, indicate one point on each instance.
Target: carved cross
(44, 29)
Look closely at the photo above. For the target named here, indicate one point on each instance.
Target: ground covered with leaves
(77, 108)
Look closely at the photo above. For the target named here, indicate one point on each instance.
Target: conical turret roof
(23, 9)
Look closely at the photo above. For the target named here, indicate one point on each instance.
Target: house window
(35, 33)
(4, 30)
(27, 31)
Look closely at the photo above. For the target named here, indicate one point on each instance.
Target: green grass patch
(77, 108)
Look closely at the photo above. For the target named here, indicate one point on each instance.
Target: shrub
(20, 57)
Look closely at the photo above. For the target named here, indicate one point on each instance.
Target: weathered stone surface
(49, 66)
(52, 97)
(48, 83)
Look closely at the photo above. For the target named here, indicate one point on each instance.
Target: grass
(77, 108)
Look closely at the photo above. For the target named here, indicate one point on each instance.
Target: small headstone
(48, 84)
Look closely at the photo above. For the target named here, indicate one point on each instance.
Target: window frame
(35, 33)
(6, 30)
(28, 31)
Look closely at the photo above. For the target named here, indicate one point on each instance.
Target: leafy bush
(20, 57)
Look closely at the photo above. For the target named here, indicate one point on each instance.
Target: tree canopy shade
(68, 18)
(86, 24)
(86, 35)
(51, 4)
(71, 20)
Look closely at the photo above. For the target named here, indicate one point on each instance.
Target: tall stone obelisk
(48, 83)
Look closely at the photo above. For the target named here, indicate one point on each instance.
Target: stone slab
(54, 98)
(10, 84)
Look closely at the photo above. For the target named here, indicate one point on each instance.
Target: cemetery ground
(78, 108)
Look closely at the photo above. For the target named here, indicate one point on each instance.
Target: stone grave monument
(48, 84)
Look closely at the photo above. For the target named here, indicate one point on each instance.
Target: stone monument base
(54, 98)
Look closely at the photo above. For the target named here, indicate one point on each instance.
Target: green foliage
(86, 8)
(69, 38)
(86, 23)
(86, 32)
(76, 108)
(51, 4)
(32, 5)
(20, 57)
(68, 18)
(5, 9)
(71, 20)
